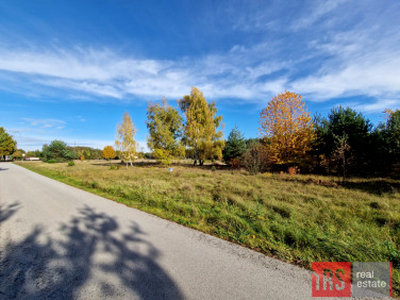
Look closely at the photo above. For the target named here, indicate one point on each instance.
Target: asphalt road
(59, 242)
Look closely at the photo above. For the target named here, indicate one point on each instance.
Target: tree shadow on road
(6, 211)
(69, 267)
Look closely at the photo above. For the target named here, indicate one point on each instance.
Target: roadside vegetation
(296, 218)
(257, 192)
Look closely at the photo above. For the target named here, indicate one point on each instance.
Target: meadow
(295, 218)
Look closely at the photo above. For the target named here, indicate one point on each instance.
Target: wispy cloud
(104, 73)
(44, 123)
(32, 134)
(322, 62)
(358, 65)
(28, 142)
(265, 16)
(376, 106)
(318, 10)
(32, 142)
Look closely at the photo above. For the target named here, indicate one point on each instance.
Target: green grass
(298, 219)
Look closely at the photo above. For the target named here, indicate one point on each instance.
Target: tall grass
(298, 219)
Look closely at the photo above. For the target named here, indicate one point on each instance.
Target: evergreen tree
(235, 146)
(57, 150)
(345, 122)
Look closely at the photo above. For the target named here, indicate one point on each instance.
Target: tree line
(197, 133)
(344, 142)
(290, 139)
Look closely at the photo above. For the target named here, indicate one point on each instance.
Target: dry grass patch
(299, 219)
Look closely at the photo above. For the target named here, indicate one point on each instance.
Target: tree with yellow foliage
(165, 129)
(125, 141)
(286, 128)
(200, 131)
(108, 152)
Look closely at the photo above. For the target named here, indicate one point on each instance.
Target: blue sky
(70, 69)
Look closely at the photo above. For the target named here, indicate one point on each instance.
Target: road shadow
(41, 268)
(3, 169)
(6, 211)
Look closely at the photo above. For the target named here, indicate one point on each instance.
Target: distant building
(32, 158)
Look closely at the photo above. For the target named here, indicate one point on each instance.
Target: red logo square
(331, 279)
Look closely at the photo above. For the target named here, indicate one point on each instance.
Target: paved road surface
(57, 241)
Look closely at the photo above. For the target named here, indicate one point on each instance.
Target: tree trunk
(344, 168)
(201, 162)
(195, 162)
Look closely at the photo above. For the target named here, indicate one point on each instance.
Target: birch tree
(201, 132)
(125, 141)
(165, 128)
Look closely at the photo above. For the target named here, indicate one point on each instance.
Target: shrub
(235, 163)
(114, 167)
(94, 184)
(163, 157)
(57, 151)
(108, 152)
(293, 170)
(256, 159)
(51, 161)
(71, 163)
(213, 168)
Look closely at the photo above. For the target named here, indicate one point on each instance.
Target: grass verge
(298, 219)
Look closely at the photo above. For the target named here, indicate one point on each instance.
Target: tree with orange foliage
(108, 152)
(286, 128)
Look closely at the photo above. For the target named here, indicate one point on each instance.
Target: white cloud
(350, 49)
(29, 143)
(92, 88)
(358, 66)
(34, 142)
(32, 134)
(78, 64)
(378, 106)
(104, 73)
(318, 10)
(362, 59)
(43, 123)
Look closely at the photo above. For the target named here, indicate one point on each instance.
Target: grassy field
(298, 219)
